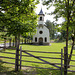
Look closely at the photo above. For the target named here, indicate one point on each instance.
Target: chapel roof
(41, 12)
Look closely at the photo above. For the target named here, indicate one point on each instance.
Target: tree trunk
(69, 59)
(15, 41)
(67, 33)
(18, 40)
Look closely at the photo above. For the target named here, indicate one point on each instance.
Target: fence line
(18, 61)
(42, 52)
(7, 52)
(41, 59)
(11, 42)
(7, 57)
(7, 62)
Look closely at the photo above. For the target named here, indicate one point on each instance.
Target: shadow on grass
(4, 70)
(71, 73)
(37, 71)
(48, 72)
(51, 72)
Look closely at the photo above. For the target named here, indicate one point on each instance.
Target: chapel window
(40, 18)
(35, 39)
(45, 39)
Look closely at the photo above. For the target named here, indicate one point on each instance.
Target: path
(7, 45)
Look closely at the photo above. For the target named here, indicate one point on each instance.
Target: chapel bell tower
(41, 18)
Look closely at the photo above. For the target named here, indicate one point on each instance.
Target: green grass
(55, 47)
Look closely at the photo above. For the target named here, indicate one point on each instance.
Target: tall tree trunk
(69, 59)
(15, 41)
(67, 33)
(18, 40)
(70, 56)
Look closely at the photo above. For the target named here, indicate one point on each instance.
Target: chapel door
(41, 41)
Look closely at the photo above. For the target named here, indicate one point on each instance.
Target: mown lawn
(55, 47)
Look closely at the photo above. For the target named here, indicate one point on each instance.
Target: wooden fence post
(10, 42)
(4, 43)
(17, 59)
(29, 41)
(25, 41)
(22, 41)
(20, 56)
(65, 61)
(61, 60)
(13, 42)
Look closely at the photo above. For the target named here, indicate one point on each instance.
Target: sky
(47, 17)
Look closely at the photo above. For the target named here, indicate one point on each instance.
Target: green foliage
(66, 10)
(62, 9)
(51, 27)
(18, 17)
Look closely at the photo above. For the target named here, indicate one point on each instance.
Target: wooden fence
(19, 54)
(61, 67)
(11, 42)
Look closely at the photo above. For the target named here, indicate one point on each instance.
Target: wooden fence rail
(41, 52)
(19, 55)
(11, 42)
(39, 57)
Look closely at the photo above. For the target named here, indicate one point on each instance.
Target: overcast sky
(47, 17)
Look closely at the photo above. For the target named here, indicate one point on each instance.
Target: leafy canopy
(18, 16)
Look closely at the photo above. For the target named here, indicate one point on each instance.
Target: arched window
(45, 39)
(35, 39)
(40, 18)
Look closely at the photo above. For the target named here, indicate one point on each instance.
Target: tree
(18, 16)
(50, 25)
(62, 30)
(65, 9)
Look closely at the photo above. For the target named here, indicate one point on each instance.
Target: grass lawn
(55, 47)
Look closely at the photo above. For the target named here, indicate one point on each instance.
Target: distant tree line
(51, 26)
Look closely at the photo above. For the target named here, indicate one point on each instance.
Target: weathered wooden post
(25, 41)
(10, 42)
(22, 41)
(65, 61)
(61, 60)
(20, 56)
(29, 40)
(17, 59)
(4, 43)
(13, 42)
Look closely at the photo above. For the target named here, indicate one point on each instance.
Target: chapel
(42, 34)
